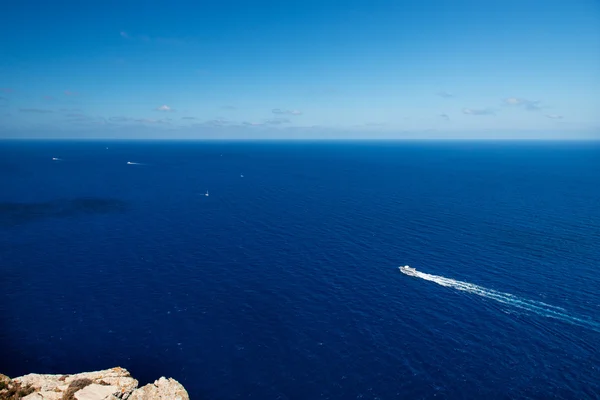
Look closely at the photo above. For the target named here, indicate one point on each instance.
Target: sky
(425, 69)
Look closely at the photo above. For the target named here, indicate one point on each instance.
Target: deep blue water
(284, 283)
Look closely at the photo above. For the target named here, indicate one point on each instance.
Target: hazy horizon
(269, 70)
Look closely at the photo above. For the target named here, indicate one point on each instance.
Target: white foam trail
(133, 163)
(537, 307)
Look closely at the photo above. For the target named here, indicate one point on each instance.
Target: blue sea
(283, 283)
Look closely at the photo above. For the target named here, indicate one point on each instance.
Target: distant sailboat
(241, 176)
(206, 194)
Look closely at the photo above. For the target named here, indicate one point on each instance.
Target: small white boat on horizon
(206, 194)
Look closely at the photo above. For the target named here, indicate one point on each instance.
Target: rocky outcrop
(161, 389)
(110, 384)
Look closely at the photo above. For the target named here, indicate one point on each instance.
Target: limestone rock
(110, 384)
(96, 392)
(161, 389)
(52, 387)
(10, 389)
(34, 396)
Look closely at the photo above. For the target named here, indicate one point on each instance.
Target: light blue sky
(316, 69)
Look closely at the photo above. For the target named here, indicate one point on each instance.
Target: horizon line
(496, 139)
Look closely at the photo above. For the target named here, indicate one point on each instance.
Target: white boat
(55, 159)
(206, 194)
(408, 270)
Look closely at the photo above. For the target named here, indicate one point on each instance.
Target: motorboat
(408, 270)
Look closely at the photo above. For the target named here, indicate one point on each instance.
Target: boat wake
(533, 306)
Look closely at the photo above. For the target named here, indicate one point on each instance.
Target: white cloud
(286, 112)
(216, 122)
(513, 101)
(475, 111)
(165, 108)
(119, 119)
(151, 121)
(531, 105)
(277, 121)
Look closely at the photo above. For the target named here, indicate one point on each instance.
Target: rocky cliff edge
(110, 384)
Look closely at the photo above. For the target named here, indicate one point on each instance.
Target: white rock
(96, 392)
(34, 396)
(118, 377)
(110, 384)
(161, 389)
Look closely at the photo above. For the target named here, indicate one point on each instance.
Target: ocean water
(284, 283)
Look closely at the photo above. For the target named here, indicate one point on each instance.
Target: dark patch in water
(12, 214)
